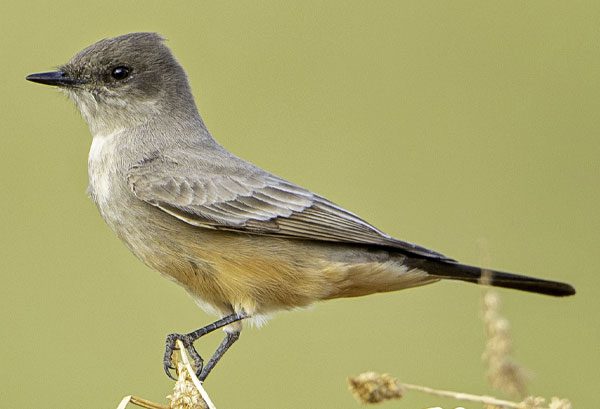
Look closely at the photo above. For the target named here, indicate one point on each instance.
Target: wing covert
(253, 201)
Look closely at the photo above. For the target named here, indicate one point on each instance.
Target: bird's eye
(120, 73)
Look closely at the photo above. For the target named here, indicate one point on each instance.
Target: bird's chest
(103, 172)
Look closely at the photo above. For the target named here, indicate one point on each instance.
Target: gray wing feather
(247, 199)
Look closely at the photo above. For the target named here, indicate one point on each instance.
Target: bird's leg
(189, 339)
(230, 338)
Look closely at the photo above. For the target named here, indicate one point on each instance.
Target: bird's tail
(455, 271)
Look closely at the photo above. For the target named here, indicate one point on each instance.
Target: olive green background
(471, 127)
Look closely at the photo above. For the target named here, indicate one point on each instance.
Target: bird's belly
(226, 272)
(232, 271)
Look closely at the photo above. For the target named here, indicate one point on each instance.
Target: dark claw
(171, 345)
(168, 372)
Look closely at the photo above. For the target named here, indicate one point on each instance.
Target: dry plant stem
(191, 376)
(503, 372)
(186, 361)
(487, 400)
(141, 402)
(371, 387)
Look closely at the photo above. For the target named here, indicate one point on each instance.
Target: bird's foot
(188, 342)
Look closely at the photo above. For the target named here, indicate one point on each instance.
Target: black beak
(57, 78)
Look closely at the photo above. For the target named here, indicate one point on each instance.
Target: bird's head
(123, 81)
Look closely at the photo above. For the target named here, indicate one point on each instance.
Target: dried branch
(371, 387)
(188, 392)
(503, 372)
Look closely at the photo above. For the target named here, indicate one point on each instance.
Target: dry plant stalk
(141, 402)
(371, 387)
(188, 392)
(503, 372)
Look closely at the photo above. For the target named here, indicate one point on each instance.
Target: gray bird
(243, 242)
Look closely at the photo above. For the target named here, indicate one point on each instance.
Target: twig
(141, 402)
(192, 375)
(371, 387)
(503, 372)
(487, 400)
(187, 394)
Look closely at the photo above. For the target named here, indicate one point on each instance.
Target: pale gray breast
(102, 168)
(107, 163)
(127, 216)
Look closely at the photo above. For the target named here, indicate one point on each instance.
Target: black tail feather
(462, 272)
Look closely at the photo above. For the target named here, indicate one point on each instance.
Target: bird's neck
(144, 117)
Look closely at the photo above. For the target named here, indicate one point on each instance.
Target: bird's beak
(57, 78)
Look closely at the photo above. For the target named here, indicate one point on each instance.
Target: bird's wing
(252, 201)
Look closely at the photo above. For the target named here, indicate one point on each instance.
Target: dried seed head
(371, 387)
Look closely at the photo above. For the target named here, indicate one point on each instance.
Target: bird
(243, 242)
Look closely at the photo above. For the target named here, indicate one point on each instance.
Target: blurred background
(449, 124)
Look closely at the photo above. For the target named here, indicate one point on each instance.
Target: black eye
(120, 73)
